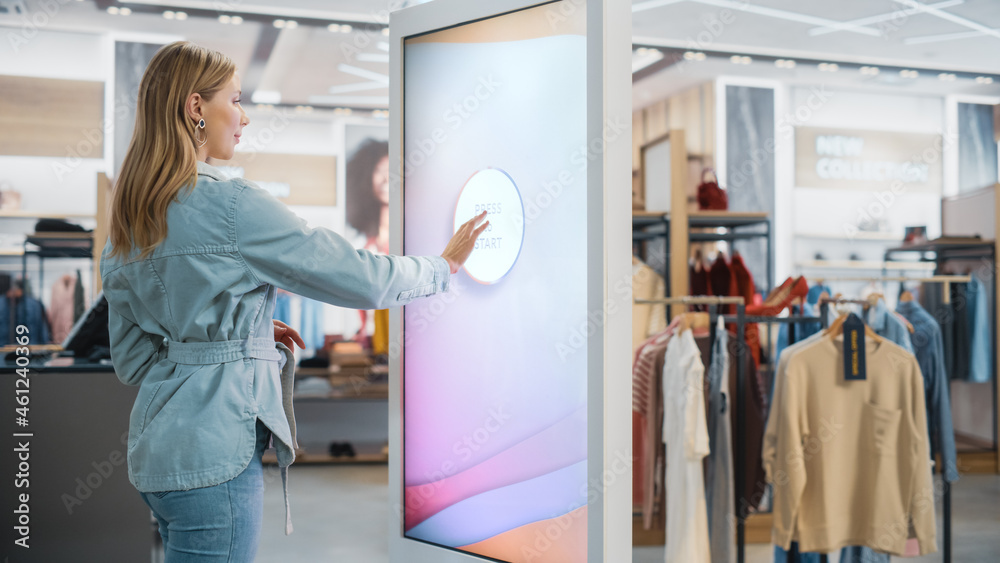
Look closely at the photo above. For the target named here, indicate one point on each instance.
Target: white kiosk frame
(609, 294)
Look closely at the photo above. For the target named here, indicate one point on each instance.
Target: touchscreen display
(495, 370)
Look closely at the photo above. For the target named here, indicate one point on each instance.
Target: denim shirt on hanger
(978, 319)
(887, 325)
(930, 355)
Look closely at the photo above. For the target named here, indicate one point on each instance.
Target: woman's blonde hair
(162, 155)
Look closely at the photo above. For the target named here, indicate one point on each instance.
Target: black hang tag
(854, 348)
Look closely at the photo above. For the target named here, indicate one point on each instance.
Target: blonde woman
(190, 273)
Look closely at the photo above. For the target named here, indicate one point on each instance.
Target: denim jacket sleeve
(132, 349)
(277, 247)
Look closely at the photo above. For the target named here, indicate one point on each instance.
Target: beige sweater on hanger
(851, 462)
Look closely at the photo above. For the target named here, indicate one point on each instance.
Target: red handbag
(710, 195)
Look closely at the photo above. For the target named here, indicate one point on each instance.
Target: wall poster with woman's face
(366, 199)
(367, 186)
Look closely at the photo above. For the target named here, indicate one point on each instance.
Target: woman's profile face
(380, 180)
(224, 121)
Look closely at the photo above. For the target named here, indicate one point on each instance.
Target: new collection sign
(867, 160)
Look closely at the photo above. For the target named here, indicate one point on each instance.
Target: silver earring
(201, 125)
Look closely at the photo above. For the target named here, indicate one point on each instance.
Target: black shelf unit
(55, 245)
(653, 226)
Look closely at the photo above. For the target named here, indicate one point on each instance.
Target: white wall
(834, 212)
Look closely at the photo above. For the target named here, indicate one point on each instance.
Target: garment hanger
(906, 296)
(909, 326)
(873, 300)
(837, 328)
(693, 321)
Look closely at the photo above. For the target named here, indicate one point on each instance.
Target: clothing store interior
(814, 191)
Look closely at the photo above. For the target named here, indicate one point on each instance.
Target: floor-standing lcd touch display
(495, 371)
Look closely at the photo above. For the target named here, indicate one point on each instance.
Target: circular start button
(493, 191)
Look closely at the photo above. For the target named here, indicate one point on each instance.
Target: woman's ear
(193, 106)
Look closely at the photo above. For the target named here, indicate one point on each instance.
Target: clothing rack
(946, 281)
(740, 319)
(726, 221)
(945, 250)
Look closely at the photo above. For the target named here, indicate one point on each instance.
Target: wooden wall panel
(51, 117)
(655, 117)
(692, 111)
(638, 139)
(678, 219)
(312, 178)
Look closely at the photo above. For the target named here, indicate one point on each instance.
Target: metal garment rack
(946, 281)
(703, 219)
(55, 245)
(941, 251)
(740, 319)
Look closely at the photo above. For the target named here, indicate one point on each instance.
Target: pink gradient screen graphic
(495, 370)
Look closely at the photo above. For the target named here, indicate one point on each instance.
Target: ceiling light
(346, 28)
(113, 10)
(181, 15)
(333, 28)
(784, 63)
(984, 80)
(279, 24)
(303, 109)
(905, 73)
(869, 70)
(385, 31)
(291, 24)
(947, 77)
(236, 20)
(738, 60)
(225, 19)
(125, 11)
(694, 56)
(828, 67)
(169, 14)
(266, 97)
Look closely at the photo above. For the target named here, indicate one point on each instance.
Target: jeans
(218, 524)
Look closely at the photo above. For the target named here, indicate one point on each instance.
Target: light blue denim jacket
(886, 324)
(191, 326)
(978, 318)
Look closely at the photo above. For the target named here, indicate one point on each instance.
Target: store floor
(340, 515)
